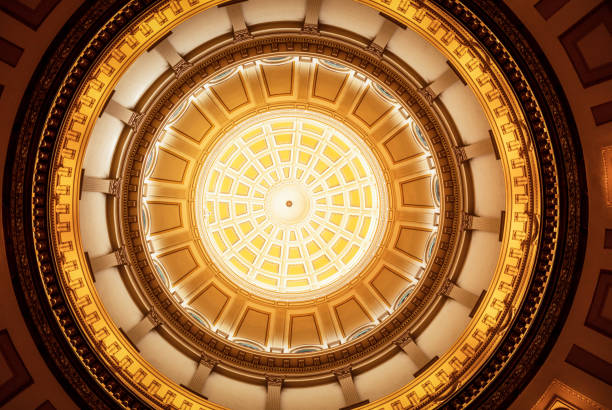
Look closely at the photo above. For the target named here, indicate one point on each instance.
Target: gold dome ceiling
(269, 209)
(188, 162)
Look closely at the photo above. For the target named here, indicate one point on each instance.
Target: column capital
(467, 221)
(121, 255)
(343, 372)
(460, 154)
(208, 361)
(446, 288)
(155, 317)
(404, 340)
(375, 49)
(180, 67)
(135, 120)
(428, 94)
(272, 380)
(309, 28)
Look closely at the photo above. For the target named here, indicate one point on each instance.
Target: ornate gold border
(517, 156)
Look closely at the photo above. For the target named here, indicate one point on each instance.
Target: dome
(316, 204)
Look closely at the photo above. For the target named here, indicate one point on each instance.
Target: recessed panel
(169, 167)
(328, 83)
(417, 192)
(413, 242)
(210, 303)
(193, 124)
(303, 330)
(388, 284)
(178, 263)
(402, 145)
(371, 107)
(164, 216)
(351, 315)
(253, 326)
(278, 78)
(231, 92)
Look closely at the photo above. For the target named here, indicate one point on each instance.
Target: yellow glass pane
(238, 162)
(247, 255)
(267, 280)
(231, 235)
(331, 153)
(246, 227)
(258, 146)
(240, 209)
(309, 141)
(271, 267)
(295, 269)
(350, 254)
(224, 210)
(283, 139)
(354, 198)
(347, 173)
(339, 245)
(227, 154)
(332, 181)
(336, 219)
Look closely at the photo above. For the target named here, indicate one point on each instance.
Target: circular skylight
(291, 204)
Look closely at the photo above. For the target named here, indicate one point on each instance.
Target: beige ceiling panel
(412, 241)
(210, 303)
(231, 92)
(253, 326)
(402, 145)
(164, 216)
(388, 285)
(371, 108)
(417, 192)
(304, 330)
(328, 83)
(178, 263)
(193, 124)
(278, 78)
(351, 315)
(169, 167)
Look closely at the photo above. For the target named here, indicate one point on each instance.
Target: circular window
(291, 204)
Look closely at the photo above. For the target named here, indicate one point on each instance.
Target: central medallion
(288, 203)
(291, 204)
